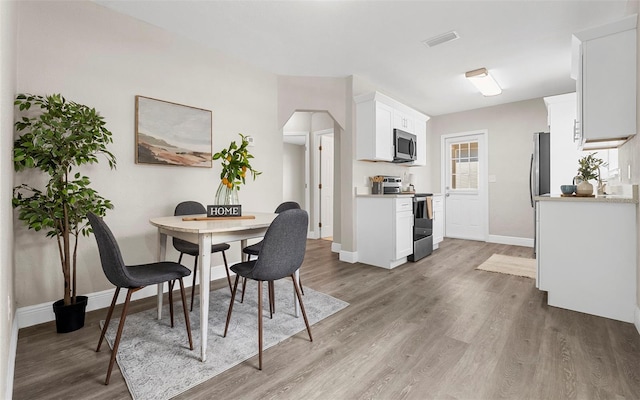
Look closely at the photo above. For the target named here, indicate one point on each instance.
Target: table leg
(204, 240)
(243, 256)
(162, 256)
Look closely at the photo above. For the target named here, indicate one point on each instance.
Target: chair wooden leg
(109, 313)
(226, 267)
(244, 288)
(272, 299)
(186, 313)
(119, 334)
(300, 283)
(244, 282)
(304, 313)
(171, 300)
(193, 285)
(233, 297)
(260, 325)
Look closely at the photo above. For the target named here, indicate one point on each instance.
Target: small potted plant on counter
(588, 169)
(56, 138)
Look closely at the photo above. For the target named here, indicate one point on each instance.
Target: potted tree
(56, 137)
(588, 168)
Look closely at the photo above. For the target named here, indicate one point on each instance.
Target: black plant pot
(70, 318)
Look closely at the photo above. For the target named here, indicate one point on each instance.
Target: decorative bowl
(568, 189)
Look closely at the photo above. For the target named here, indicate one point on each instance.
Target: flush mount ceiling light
(483, 82)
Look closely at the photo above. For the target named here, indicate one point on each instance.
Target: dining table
(207, 231)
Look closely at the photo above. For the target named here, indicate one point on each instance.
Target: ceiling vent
(444, 38)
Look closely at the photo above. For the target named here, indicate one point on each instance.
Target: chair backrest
(287, 205)
(189, 208)
(186, 208)
(110, 256)
(283, 246)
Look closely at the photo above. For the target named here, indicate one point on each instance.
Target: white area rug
(155, 359)
(510, 265)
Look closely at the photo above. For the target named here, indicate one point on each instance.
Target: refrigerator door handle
(531, 180)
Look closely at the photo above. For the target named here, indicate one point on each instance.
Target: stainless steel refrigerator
(539, 174)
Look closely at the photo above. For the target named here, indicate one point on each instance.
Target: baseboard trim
(511, 240)
(637, 319)
(41, 313)
(335, 247)
(312, 235)
(349, 256)
(11, 359)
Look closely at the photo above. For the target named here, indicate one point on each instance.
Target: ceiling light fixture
(483, 82)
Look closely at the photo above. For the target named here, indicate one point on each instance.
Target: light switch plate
(493, 179)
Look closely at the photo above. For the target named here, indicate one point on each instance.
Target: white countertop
(625, 194)
(386, 196)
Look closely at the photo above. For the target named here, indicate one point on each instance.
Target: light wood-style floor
(435, 329)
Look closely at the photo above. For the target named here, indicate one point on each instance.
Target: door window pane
(464, 166)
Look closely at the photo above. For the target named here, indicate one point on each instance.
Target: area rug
(510, 265)
(155, 359)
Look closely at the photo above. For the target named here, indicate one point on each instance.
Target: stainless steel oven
(422, 226)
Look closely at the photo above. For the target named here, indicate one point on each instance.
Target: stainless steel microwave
(404, 144)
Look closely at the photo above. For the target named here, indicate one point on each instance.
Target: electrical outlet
(251, 141)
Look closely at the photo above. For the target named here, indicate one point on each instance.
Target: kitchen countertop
(625, 194)
(386, 196)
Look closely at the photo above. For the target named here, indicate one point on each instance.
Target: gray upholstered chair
(192, 249)
(281, 255)
(133, 278)
(254, 249)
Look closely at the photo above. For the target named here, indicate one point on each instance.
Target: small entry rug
(155, 359)
(510, 265)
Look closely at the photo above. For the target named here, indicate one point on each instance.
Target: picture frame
(173, 134)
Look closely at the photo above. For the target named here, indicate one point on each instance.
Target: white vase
(584, 189)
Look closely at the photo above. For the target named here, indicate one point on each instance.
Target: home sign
(231, 210)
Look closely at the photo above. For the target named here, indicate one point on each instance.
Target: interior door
(463, 188)
(326, 191)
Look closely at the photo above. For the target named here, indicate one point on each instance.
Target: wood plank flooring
(435, 329)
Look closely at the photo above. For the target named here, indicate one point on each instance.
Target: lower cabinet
(438, 220)
(384, 230)
(586, 256)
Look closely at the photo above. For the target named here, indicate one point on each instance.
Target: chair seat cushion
(253, 250)
(244, 269)
(193, 249)
(150, 274)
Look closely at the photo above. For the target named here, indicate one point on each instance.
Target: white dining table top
(175, 223)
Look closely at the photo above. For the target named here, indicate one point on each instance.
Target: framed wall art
(172, 134)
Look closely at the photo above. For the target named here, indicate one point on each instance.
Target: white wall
(511, 127)
(293, 173)
(100, 58)
(7, 300)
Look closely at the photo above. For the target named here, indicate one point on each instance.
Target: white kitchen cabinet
(586, 255)
(403, 121)
(377, 116)
(384, 230)
(605, 72)
(564, 154)
(438, 220)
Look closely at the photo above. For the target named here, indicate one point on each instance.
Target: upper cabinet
(377, 116)
(604, 65)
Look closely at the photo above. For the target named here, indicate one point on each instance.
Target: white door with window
(465, 185)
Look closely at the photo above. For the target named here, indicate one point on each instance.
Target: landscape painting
(172, 134)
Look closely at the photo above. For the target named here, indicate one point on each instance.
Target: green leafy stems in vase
(235, 161)
(588, 169)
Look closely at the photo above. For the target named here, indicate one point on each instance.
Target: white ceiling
(526, 45)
